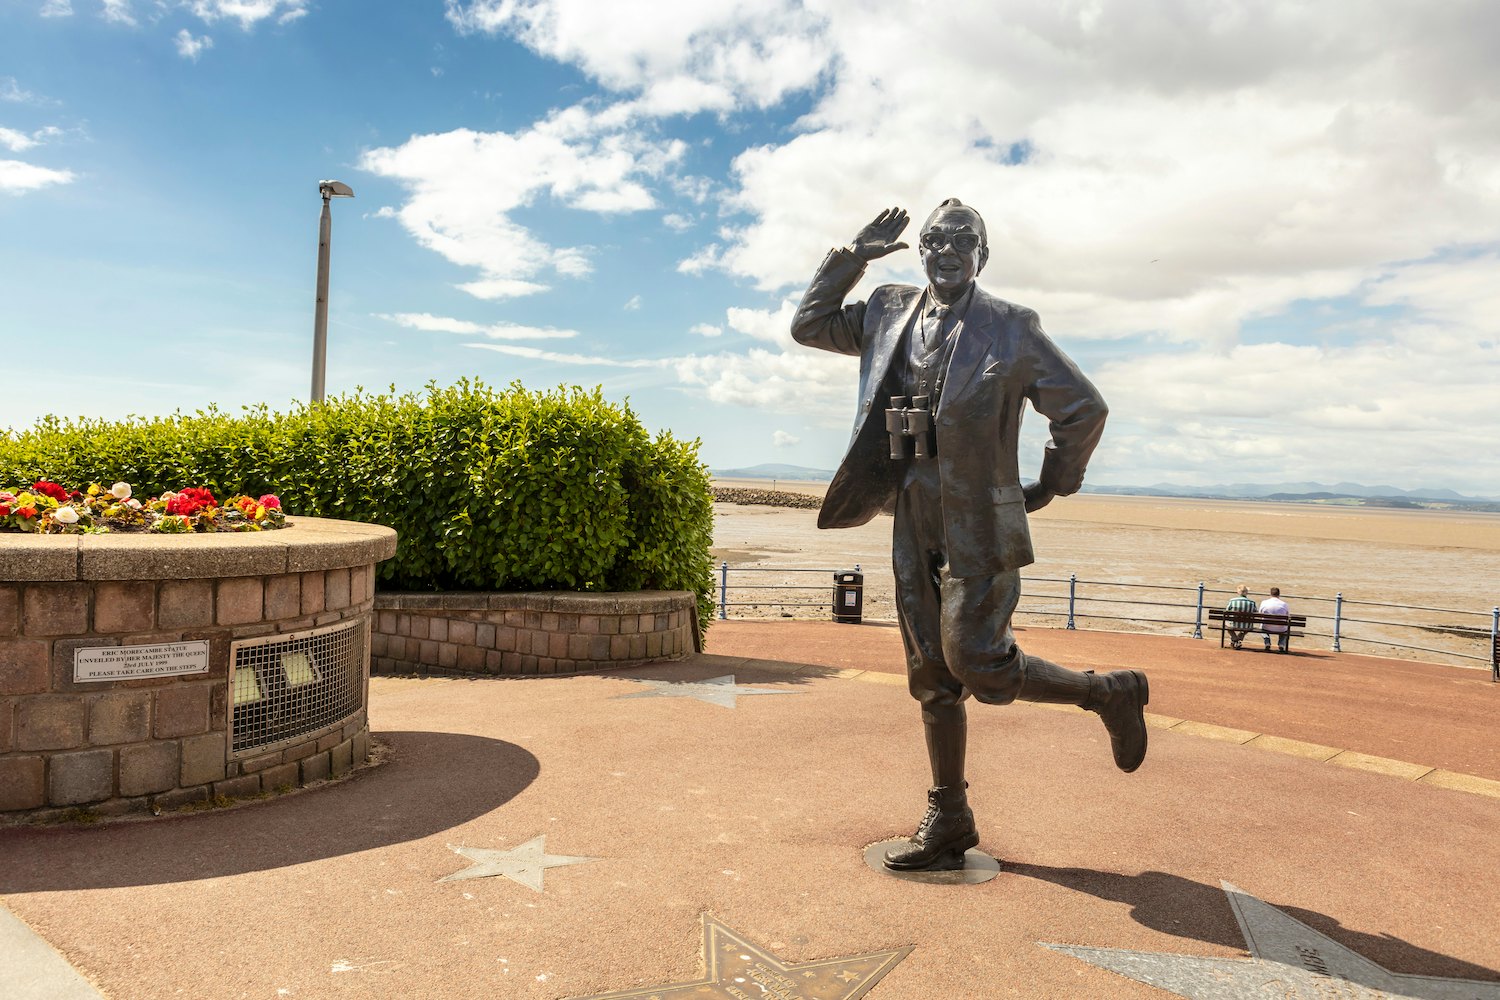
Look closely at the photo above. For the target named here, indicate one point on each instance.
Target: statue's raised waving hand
(879, 237)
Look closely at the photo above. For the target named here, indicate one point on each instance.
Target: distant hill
(771, 470)
(1337, 494)
(1342, 494)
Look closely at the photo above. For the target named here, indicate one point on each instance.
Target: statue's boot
(947, 830)
(944, 834)
(1118, 697)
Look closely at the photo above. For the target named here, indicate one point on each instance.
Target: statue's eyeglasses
(962, 242)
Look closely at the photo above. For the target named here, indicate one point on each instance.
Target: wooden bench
(1254, 621)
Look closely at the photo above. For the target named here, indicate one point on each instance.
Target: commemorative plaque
(735, 968)
(129, 663)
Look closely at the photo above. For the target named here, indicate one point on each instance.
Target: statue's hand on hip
(1037, 496)
(879, 237)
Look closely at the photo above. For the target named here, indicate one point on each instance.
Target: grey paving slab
(1288, 961)
(31, 969)
(715, 690)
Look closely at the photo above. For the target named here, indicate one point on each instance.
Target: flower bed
(147, 672)
(49, 509)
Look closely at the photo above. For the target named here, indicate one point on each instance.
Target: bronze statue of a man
(944, 373)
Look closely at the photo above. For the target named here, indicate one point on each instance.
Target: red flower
(190, 501)
(48, 489)
(271, 502)
(185, 506)
(4, 509)
(26, 512)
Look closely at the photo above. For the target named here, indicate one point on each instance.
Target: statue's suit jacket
(1000, 360)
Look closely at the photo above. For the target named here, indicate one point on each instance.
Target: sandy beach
(1163, 548)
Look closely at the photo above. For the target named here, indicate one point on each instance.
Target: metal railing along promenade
(777, 589)
(1369, 626)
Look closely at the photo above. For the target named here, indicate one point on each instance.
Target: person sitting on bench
(1274, 605)
(1242, 605)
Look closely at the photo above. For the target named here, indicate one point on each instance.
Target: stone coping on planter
(634, 602)
(307, 545)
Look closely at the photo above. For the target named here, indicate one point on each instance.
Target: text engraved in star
(738, 969)
(1288, 961)
(715, 690)
(526, 864)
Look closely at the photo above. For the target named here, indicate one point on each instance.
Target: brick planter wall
(525, 634)
(116, 746)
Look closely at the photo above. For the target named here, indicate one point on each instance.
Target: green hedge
(510, 490)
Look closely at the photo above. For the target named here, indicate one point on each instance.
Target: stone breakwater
(768, 498)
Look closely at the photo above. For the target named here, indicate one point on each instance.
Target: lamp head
(335, 189)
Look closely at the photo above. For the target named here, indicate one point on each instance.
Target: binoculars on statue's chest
(909, 423)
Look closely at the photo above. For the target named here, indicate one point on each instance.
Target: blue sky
(1268, 231)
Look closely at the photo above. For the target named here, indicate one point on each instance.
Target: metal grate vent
(283, 687)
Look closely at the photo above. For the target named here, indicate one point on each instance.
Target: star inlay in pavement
(715, 691)
(735, 968)
(1288, 961)
(525, 864)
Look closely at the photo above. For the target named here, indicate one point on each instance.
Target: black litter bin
(848, 596)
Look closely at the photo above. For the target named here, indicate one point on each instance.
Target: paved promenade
(1308, 825)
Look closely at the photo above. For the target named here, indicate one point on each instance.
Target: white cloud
(1255, 156)
(679, 56)
(16, 176)
(429, 323)
(463, 186)
(704, 259)
(189, 47)
(706, 330)
(14, 141)
(117, 11)
(1151, 136)
(500, 288)
(633, 304)
(1153, 173)
(694, 189)
(1398, 400)
(811, 383)
(18, 142)
(11, 90)
(774, 327)
(781, 439)
(248, 12)
(537, 354)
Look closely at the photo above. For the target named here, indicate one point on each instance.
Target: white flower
(166, 495)
(133, 504)
(66, 515)
(120, 491)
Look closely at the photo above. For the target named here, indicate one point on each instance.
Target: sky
(1268, 231)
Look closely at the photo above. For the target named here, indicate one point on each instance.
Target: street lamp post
(328, 189)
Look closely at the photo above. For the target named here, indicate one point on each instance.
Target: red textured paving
(758, 816)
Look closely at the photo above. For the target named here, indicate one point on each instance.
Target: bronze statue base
(978, 866)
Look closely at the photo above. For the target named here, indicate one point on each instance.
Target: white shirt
(1274, 606)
